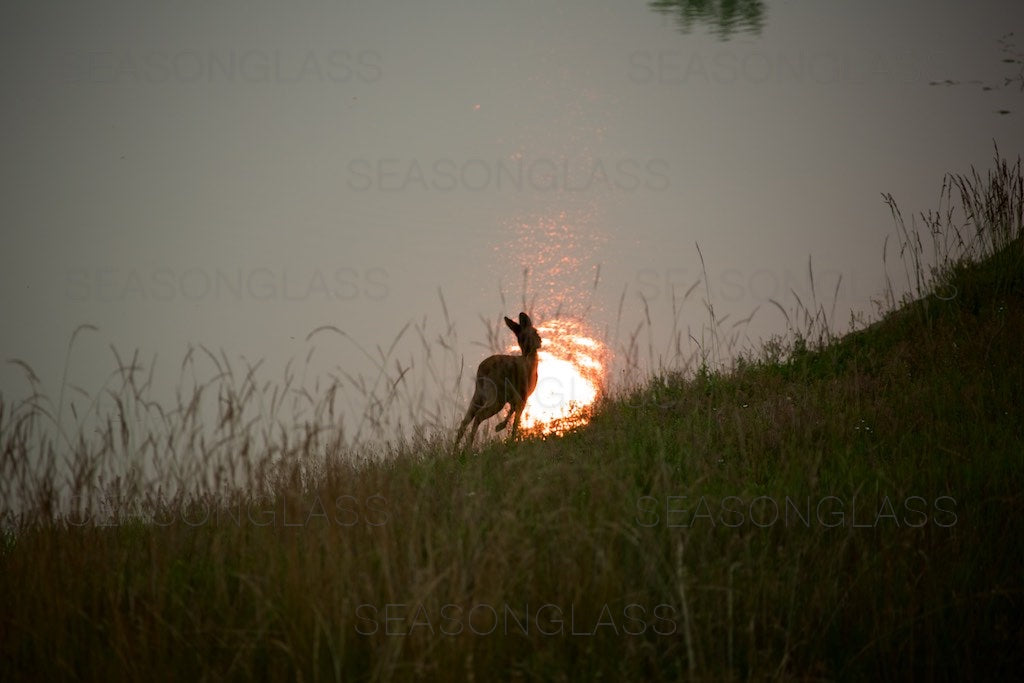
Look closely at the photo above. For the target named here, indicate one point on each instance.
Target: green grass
(644, 546)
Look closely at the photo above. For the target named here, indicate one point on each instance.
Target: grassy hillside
(844, 510)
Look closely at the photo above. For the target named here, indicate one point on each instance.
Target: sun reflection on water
(570, 378)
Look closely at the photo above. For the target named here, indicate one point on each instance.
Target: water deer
(502, 379)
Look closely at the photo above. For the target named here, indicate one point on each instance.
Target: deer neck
(530, 361)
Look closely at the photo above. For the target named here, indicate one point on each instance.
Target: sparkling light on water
(570, 378)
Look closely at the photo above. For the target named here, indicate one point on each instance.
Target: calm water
(238, 176)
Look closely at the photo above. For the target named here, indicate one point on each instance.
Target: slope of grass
(851, 510)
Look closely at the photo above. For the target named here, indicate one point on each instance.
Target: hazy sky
(238, 174)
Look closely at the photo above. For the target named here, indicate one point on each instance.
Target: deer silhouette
(502, 379)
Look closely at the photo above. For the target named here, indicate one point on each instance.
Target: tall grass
(824, 508)
(978, 217)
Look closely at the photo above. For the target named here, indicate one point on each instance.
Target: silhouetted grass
(826, 508)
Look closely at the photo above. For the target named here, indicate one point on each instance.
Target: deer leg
(472, 432)
(504, 423)
(515, 423)
(465, 423)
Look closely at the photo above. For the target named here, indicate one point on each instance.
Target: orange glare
(570, 377)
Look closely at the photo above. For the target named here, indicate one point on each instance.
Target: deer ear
(512, 325)
(524, 320)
